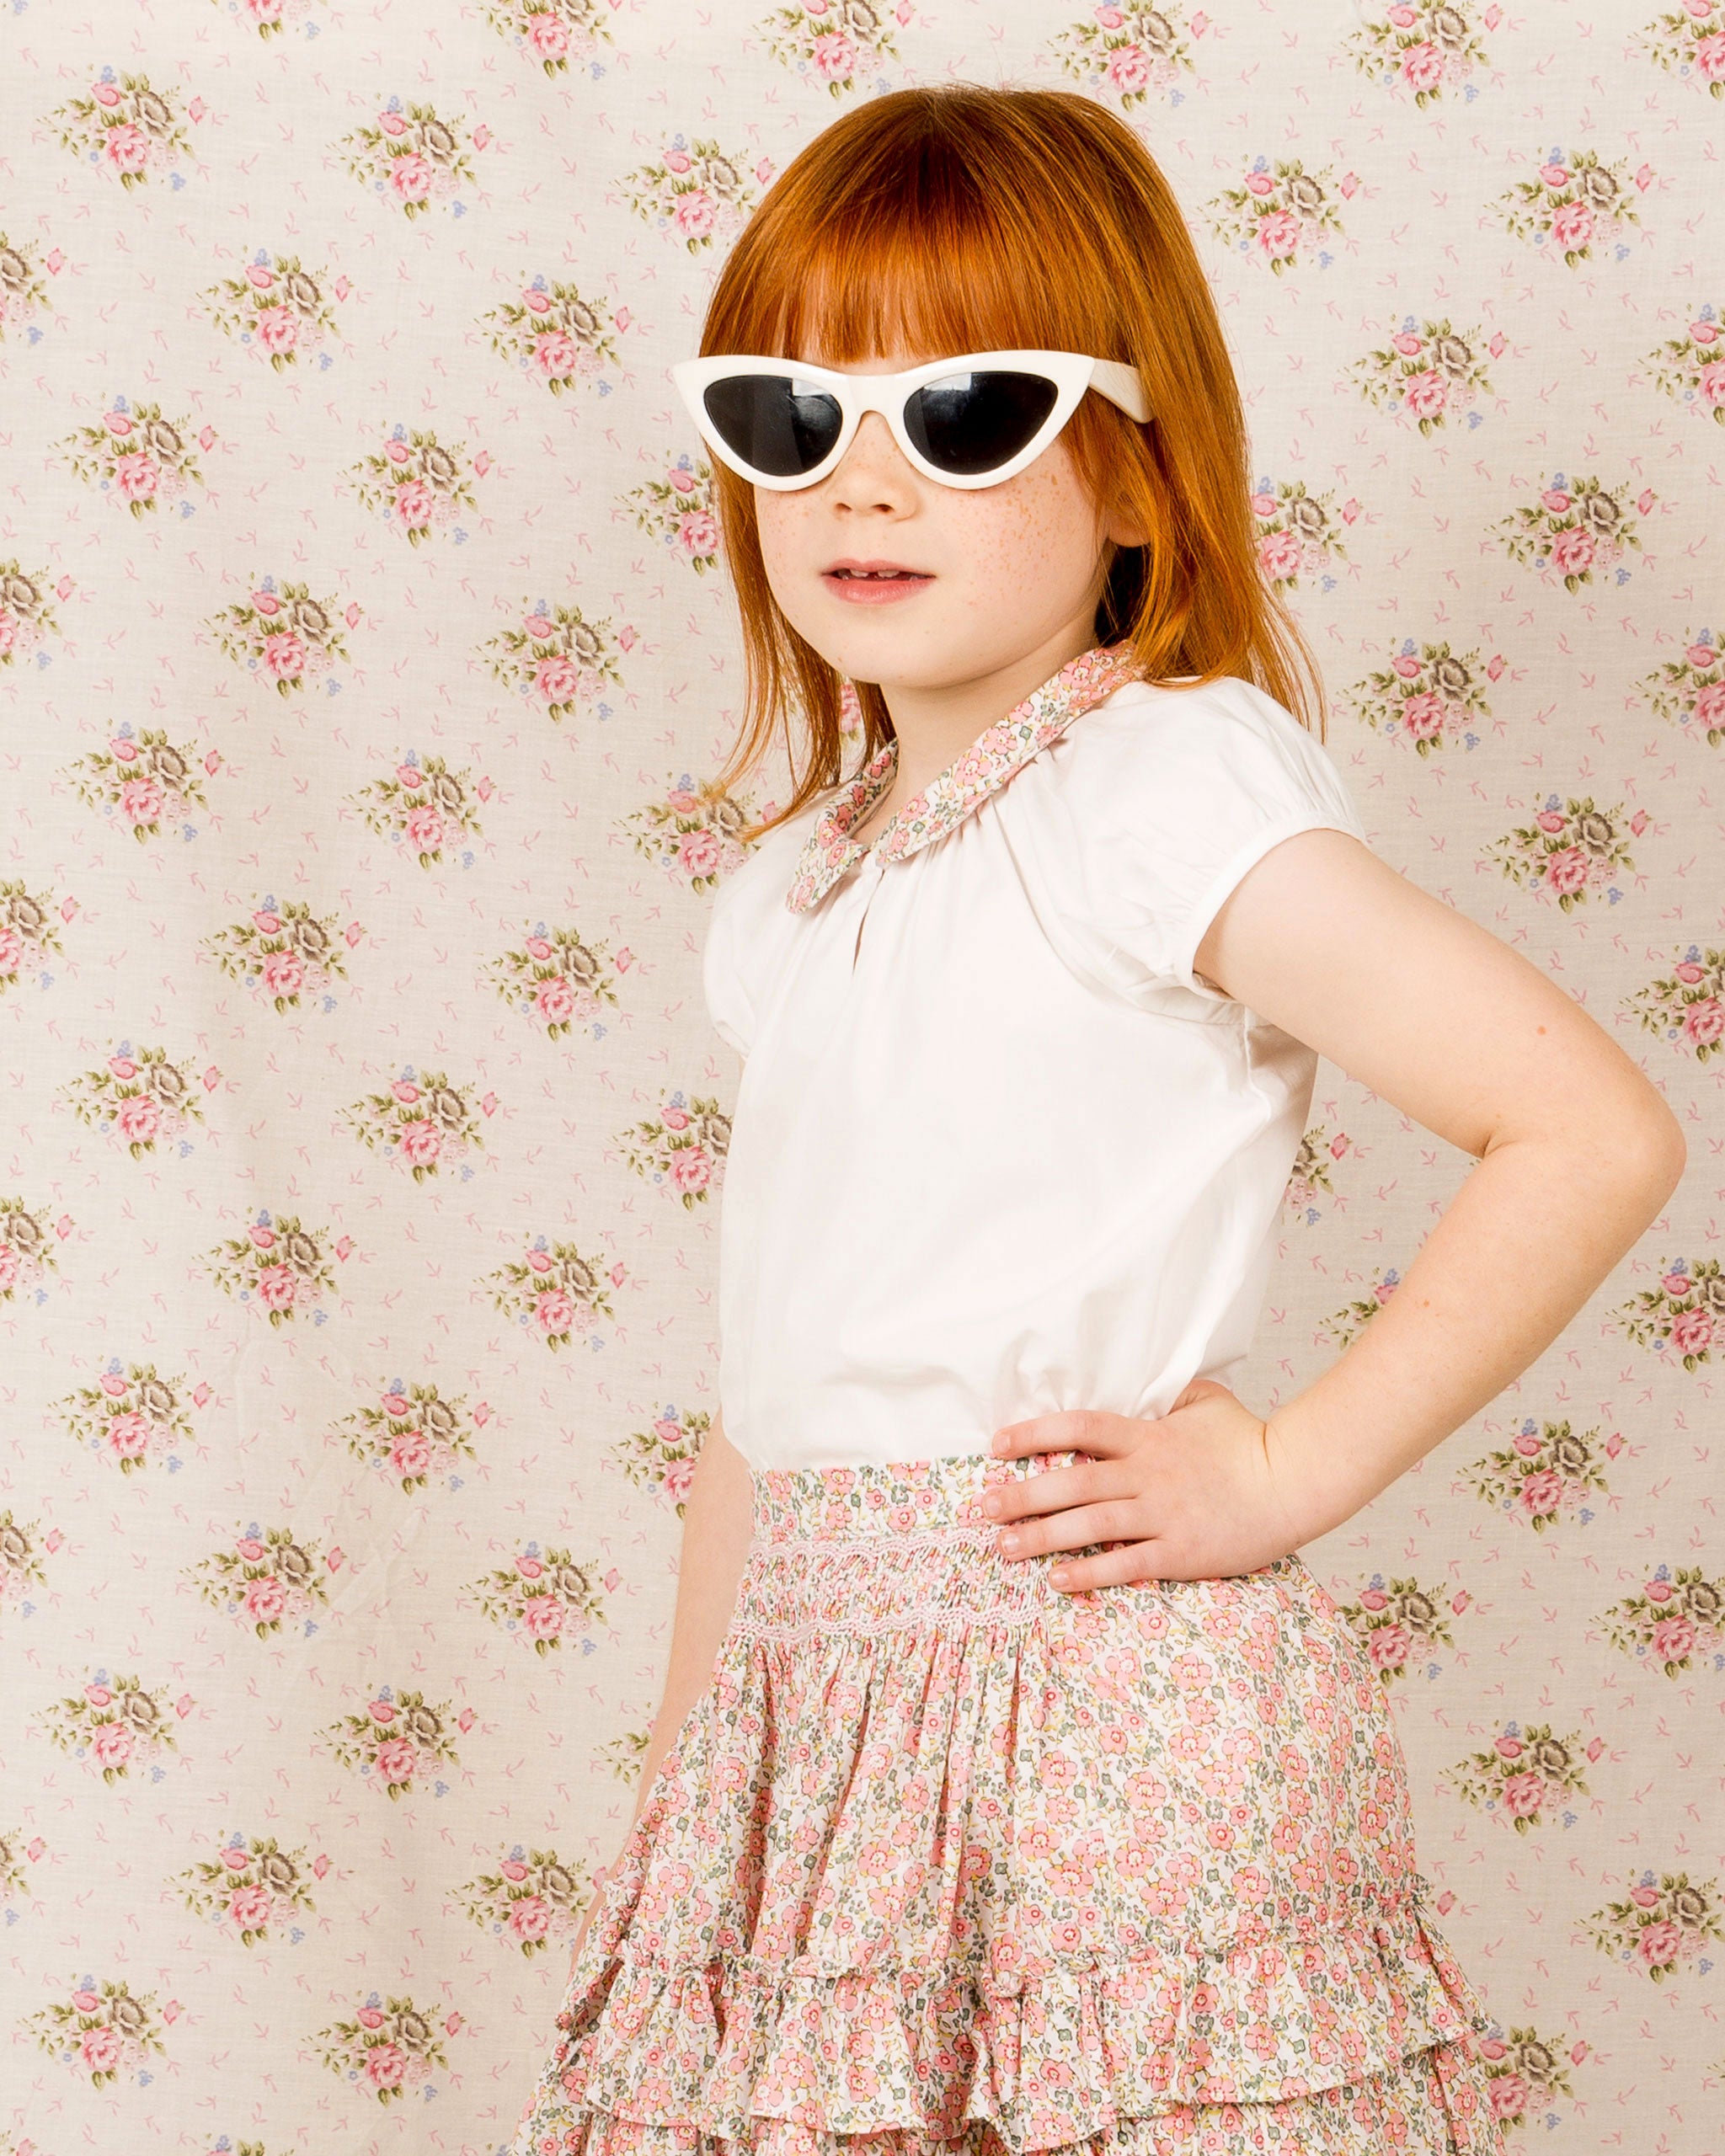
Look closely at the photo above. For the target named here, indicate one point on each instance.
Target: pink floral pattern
(409, 857)
(949, 798)
(939, 1849)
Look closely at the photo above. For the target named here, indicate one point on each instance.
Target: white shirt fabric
(997, 1150)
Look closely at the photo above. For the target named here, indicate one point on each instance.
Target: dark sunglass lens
(969, 422)
(772, 424)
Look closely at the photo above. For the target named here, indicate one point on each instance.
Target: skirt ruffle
(944, 1859)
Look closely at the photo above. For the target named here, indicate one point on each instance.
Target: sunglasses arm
(1123, 386)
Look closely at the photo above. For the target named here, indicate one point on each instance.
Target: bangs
(918, 238)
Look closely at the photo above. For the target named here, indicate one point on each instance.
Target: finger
(1134, 1564)
(1116, 1521)
(1070, 1430)
(1054, 1489)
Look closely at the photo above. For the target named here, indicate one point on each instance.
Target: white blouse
(997, 1150)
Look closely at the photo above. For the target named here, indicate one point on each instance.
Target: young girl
(1016, 1785)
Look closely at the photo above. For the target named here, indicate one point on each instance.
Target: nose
(873, 474)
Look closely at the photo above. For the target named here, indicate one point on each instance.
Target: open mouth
(873, 580)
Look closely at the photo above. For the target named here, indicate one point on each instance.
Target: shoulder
(1157, 803)
(1216, 747)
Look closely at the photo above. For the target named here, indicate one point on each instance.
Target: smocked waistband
(871, 1501)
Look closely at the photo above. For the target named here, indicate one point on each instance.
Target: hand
(1206, 1491)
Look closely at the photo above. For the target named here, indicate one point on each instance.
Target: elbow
(1657, 1153)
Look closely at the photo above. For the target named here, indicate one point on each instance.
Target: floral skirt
(944, 1858)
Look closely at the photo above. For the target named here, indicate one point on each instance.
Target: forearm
(717, 1517)
(1528, 1238)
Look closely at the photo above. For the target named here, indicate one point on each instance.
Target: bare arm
(716, 1518)
(1578, 1152)
(1576, 1155)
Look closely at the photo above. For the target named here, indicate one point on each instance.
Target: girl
(1016, 1784)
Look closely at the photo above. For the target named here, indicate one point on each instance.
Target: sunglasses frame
(856, 395)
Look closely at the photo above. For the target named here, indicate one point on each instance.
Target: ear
(1125, 532)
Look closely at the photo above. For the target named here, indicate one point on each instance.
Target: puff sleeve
(1187, 790)
(749, 933)
(722, 984)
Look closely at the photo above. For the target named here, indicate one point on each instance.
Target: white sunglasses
(967, 422)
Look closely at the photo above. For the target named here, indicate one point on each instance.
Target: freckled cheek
(1041, 529)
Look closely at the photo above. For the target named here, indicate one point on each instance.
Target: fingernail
(1060, 1575)
(998, 1442)
(1009, 1543)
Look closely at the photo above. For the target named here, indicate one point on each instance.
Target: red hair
(960, 219)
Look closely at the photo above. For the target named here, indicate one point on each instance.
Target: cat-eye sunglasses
(966, 422)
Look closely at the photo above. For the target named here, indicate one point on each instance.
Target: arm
(1578, 1154)
(717, 1520)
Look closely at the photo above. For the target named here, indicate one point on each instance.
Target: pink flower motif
(381, 1712)
(543, 1616)
(1278, 234)
(139, 1119)
(1573, 227)
(1566, 870)
(1712, 379)
(423, 829)
(1658, 1944)
(1260, 184)
(1707, 56)
(99, 2048)
(698, 852)
(678, 161)
(136, 476)
(1421, 66)
(421, 1142)
(529, 1918)
(410, 177)
(265, 1599)
(679, 1476)
(695, 213)
(278, 328)
(282, 973)
(1691, 1333)
(112, 1744)
(1704, 1023)
(697, 533)
(1129, 70)
(128, 1438)
(555, 1001)
(141, 801)
(1523, 1795)
(413, 502)
(1279, 554)
(276, 1286)
(1573, 551)
(1510, 2095)
(1542, 1492)
(1674, 1639)
(691, 1168)
(1389, 1645)
(397, 1760)
(410, 1456)
(127, 147)
(1425, 393)
(539, 628)
(834, 57)
(249, 1908)
(557, 680)
(548, 35)
(285, 655)
(556, 355)
(553, 1312)
(236, 1859)
(385, 2066)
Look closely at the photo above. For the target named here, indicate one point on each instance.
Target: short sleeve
(1188, 792)
(750, 930)
(722, 982)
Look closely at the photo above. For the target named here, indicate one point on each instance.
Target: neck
(935, 726)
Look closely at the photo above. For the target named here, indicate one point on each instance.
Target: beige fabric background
(361, 667)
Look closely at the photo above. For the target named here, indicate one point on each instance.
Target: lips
(849, 572)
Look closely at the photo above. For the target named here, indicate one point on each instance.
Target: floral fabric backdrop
(363, 664)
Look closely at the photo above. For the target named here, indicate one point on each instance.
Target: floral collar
(949, 796)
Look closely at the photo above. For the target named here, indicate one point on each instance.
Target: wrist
(1318, 1488)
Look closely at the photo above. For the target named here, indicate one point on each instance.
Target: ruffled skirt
(944, 1859)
